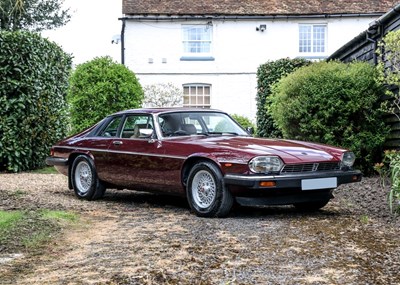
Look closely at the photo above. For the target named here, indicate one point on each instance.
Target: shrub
(98, 88)
(332, 103)
(268, 74)
(243, 121)
(33, 84)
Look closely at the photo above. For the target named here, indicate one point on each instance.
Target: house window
(197, 95)
(197, 40)
(312, 38)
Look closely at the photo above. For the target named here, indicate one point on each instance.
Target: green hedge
(333, 103)
(268, 74)
(100, 87)
(243, 121)
(33, 84)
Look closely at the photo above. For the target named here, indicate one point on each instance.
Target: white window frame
(316, 44)
(195, 95)
(197, 40)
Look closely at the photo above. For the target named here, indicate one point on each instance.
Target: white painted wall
(238, 50)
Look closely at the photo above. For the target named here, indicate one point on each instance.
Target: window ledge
(312, 56)
(197, 58)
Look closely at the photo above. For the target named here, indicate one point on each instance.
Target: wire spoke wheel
(83, 177)
(204, 189)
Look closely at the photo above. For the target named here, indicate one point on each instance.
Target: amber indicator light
(267, 183)
(228, 164)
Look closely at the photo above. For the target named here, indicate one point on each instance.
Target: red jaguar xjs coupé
(201, 154)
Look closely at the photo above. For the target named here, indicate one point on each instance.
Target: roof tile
(254, 7)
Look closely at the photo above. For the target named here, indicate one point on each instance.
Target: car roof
(165, 110)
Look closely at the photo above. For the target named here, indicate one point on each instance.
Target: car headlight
(265, 164)
(348, 159)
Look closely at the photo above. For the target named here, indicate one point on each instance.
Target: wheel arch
(191, 161)
(71, 160)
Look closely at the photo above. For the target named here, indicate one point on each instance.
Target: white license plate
(319, 183)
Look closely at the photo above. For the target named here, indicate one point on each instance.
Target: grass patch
(18, 193)
(364, 219)
(59, 215)
(9, 219)
(46, 170)
(31, 230)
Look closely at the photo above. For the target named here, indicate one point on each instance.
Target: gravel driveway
(137, 238)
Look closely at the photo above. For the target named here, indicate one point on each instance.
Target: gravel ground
(138, 238)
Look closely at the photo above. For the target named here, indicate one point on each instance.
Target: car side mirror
(250, 130)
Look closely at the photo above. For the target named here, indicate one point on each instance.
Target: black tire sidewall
(222, 198)
(90, 193)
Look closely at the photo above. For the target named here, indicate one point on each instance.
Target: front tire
(84, 178)
(206, 191)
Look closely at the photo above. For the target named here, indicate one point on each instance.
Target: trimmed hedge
(33, 84)
(98, 88)
(268, 74)
(333, 103)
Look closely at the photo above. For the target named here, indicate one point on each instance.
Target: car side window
(137, 127)
(112, 128)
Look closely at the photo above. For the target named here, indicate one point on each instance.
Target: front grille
(310, 167)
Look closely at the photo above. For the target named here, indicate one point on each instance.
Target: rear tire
(206, 191)
(84, 178)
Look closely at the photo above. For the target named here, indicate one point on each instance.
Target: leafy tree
(389, 71)
(32, 15)
(33, 111)
(333, 103)
(268, 74)
(162, 95)
(98, 88)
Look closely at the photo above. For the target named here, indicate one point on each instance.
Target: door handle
(117, 143)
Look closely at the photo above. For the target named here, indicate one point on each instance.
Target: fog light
(267, 183)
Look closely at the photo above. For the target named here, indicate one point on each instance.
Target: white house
(212, 48)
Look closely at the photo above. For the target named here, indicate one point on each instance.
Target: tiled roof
(254, 7)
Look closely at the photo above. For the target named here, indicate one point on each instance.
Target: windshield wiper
(222, 133)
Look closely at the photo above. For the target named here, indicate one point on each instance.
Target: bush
(333, 103)
(98, 88)
(268, 74)
(33, 84)
(243, 121)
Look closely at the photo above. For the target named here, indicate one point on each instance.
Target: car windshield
(198, 123)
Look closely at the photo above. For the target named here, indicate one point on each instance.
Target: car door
(135, 158)
(97, 145)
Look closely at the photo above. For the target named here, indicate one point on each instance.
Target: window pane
(198, 96)
(197, 38)
(185, 100)
(186, 90)
(312, 38)
(112, 128)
